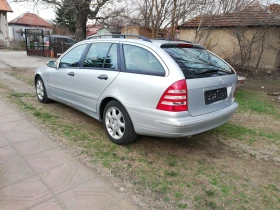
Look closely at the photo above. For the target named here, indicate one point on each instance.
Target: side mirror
(51, 64)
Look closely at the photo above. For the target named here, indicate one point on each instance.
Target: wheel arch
(104, 102)
(37, 75)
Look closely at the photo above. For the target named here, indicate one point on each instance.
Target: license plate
(212, 96)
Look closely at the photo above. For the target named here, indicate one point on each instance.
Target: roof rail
(121, 36)
(173, 40)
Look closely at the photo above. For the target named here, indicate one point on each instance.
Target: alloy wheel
(40, 89)
(115, 123)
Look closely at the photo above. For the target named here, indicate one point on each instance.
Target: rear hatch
(211, 82)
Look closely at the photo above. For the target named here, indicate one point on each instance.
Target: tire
(41, 91)
(118, 124)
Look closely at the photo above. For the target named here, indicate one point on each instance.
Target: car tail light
(175, 98)
(185, 45)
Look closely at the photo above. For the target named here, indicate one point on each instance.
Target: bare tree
(158, 14)
(84, 10)
(251, 46)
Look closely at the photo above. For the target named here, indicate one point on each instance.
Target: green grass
(233, 131)
(171, 173)
(210, 193)
(182, 206)
(275, 81)
(43, 115)
(252, 100)
(22, 95)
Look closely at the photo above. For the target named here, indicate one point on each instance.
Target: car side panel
(137, 90)
(61, 85)
(141, 90)
(89, 88)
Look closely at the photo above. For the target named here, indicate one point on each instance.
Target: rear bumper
(152, 125)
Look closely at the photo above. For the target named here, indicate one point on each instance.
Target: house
(28, 20)
(247, 38)
(176, 33)
(92, 29)
(4, 32)
(102, 30)
(142, 31)
(110, 30)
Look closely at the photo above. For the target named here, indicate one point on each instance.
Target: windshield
(197, 63)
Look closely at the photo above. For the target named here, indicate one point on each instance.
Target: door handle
(103, 76)
(72, 74)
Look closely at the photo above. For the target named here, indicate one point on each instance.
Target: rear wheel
(118, 124)
(41, 91)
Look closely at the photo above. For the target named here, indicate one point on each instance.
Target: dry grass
(231, 167)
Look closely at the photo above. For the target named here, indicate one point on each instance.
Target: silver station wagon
(142, 87)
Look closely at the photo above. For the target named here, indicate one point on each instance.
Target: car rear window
(46, 39)
(198, 63)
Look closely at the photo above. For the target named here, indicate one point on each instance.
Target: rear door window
(140, 60)
(197, 63)
(72, 58)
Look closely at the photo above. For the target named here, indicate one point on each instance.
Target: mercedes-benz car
(142, 87)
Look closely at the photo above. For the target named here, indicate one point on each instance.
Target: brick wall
(275, 9)
(145, 32)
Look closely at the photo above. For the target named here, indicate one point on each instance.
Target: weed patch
(22, 95)
(249, 100)
(230, 130)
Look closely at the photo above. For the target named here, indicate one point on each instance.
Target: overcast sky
(48, 13)
(21, 8)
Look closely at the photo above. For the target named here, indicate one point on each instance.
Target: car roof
(146, 42)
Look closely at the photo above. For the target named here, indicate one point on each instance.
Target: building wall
(224, 43)
(103, 31)
(4, 32)
(141, 31)
(130, 30)
(145, 32)
(15, 35)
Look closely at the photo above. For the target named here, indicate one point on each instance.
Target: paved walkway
(36, 174)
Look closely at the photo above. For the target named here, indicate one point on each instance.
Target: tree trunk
(152, 19)
(172, 28)
(80, 33)
(82, 9)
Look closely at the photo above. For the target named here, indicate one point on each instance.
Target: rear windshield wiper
(218, 71)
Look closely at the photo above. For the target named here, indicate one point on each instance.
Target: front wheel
(118, 124)
(41, 91)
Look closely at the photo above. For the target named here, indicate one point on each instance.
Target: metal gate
(35, 42)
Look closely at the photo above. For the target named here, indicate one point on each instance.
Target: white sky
(21, 8)
(47, 13)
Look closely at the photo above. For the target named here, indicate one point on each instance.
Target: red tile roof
(4, 6)
(30, 20)
(92, 29)
(252, 15)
